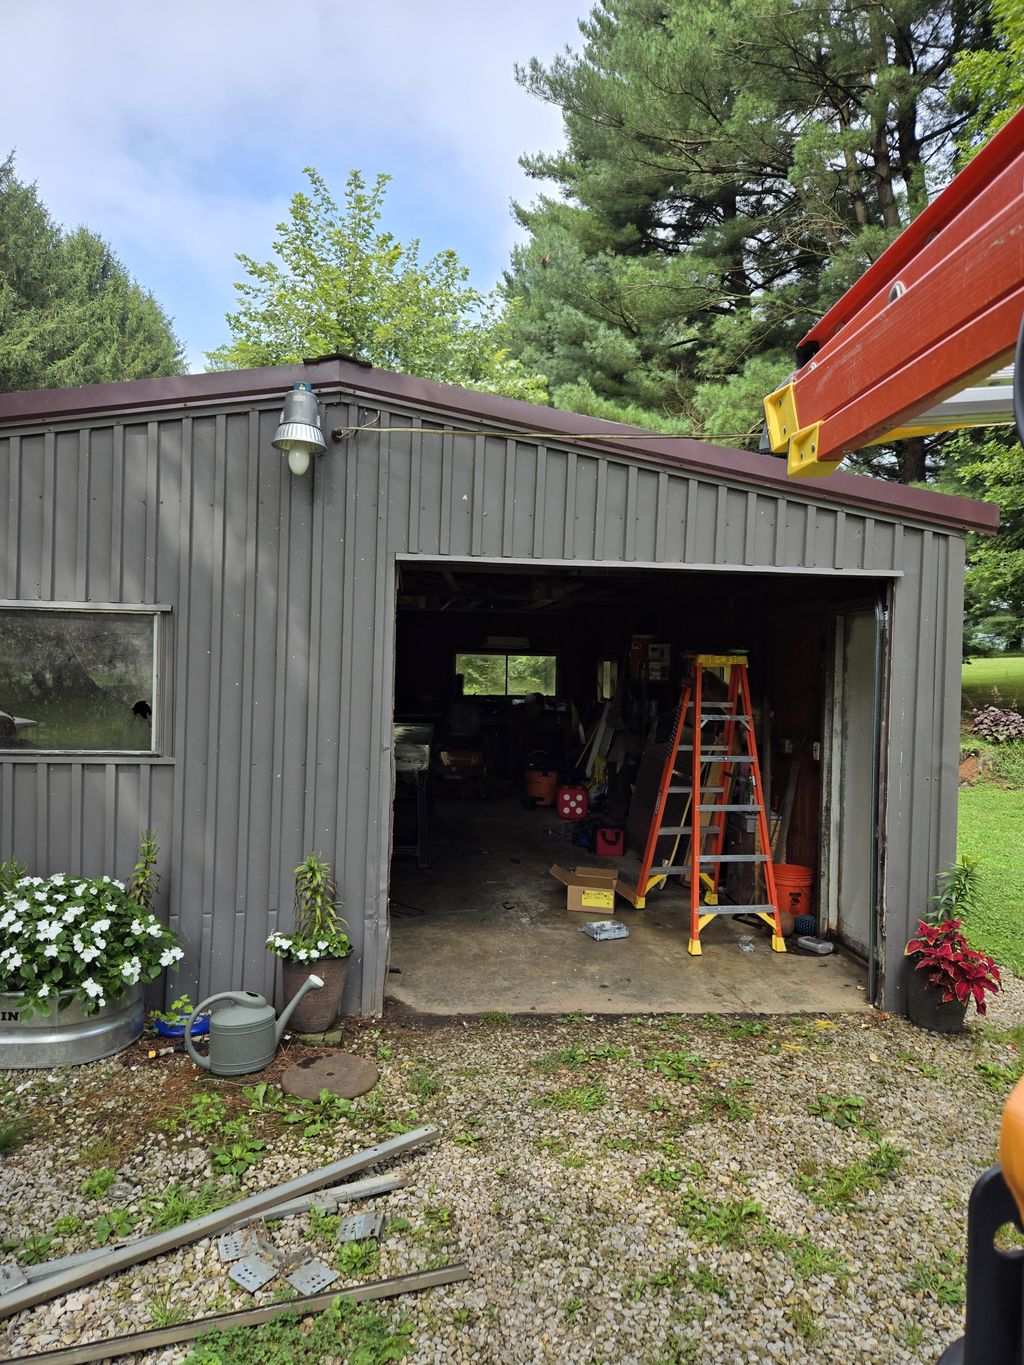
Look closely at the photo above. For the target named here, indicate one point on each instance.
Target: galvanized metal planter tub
(67, 1037)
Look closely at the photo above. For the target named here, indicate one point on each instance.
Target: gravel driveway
(629, 1190)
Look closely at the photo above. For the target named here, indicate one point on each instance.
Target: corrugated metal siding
(281, 643)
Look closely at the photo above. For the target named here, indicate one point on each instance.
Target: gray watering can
(245, 1037)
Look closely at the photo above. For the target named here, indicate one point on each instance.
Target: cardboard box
(589, 889)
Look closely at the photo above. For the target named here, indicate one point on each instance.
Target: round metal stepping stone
(341, 1073)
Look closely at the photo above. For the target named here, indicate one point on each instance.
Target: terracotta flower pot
(318, 1011)
(925, 1006)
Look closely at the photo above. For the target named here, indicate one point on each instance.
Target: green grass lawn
(991, 827)
(1006, 672)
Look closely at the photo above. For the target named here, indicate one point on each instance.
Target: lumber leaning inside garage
(294, 621)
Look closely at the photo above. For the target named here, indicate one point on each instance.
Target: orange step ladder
(722, 758)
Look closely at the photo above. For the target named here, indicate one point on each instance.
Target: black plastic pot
(925, 1006)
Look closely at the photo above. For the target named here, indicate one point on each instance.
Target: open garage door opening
(533, 711)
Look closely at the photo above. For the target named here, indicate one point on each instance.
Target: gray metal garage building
(272, 606)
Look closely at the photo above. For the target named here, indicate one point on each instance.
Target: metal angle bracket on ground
(159, 1337)
(312, 1276)
(358, 1227)
(252, 1272)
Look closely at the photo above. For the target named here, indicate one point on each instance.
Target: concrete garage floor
(485, 927)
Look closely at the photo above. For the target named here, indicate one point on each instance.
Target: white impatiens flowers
(79, 938)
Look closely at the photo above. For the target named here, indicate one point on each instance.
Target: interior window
(506, 675)
(77, 680)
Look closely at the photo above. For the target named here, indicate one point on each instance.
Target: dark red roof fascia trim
(689, 456)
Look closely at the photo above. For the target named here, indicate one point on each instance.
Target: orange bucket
(793, 884)
(542, 785)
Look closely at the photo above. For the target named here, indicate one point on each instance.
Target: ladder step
(740, 909)
(734, 858)
(727, 758)
(675, 829)
(732, 807)
(670, 871)
(690, 789)
(704, 748)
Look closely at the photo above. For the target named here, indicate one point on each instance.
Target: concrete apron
(485, 928)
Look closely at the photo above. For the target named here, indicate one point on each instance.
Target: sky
(179, 131)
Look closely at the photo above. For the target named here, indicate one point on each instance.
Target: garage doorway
(504, 675)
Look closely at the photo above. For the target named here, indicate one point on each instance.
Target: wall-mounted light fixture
(298, 434)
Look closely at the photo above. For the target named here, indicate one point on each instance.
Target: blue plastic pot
(201, 1026)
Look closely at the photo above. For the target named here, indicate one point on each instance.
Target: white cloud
(180, 132)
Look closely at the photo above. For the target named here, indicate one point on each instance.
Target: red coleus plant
(963, 973)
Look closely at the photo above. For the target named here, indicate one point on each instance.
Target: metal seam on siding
(721, 499)
(47, 549)
(810, 528)
(476, 530)
(77, 806)
(7, 810)
(179, 683)
(779, 543)
(868, 543)
(117, 514)
(897, 546)
(316, 607)
(569, 525)
(284, 518)
(632, 480)
(601, 508)
(661, 520)
(539, 497)
(750, 528)
(212, 700)
(14, 521)
(415, 477)
(84, 520)
(347, 665)
(921, 729)
(445, 533)
(690, 529)
(152, 507)
(248, 668)
(379, 785)
(509, 504)
(839, 544)
(110, 811)
(42, 858)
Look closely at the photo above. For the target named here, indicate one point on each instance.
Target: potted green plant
(171, 1023)
(317, 944)
(76, 953)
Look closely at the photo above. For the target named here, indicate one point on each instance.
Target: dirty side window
(77, 680)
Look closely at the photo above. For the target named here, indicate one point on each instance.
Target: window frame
(159, 612)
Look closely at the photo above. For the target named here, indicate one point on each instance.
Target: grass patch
(347, 1331)
(13, 1132)
(991, 827)
(581, 1098)
(1004, 672)
(733, 1222)
(942, 1280)
(834, 1186)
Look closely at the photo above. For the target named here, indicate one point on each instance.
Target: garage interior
(513, 684)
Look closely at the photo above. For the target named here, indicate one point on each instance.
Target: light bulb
(298, 458)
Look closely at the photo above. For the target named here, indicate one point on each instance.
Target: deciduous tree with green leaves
(69, 312)
(340, 283)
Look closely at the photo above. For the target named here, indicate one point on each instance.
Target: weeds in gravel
(999, 1077)
(68, 1225)
(13, 1132)
(729, 1223)
(113, 1226)
(664, 1177)
(845, 1111)
(805, 1323)
(423, 1084)
(204, 1113)
(675, 1066)
(912, 1335)
(346, 1331)
(728, 1103)
(239, 1152)
(943, 1280)
(492, 1018)
(163, 1313)
(573, 1307)
(353, 1259)
(812, 1262)
(96, 1185)
(319, 1115)
(833, 1186)
(177, 1204)
(264, 1098)
(34, 1250)
(581, 1098)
